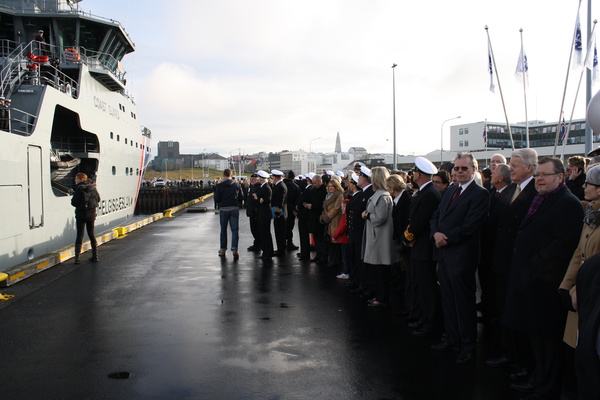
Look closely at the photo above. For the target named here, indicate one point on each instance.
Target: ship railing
(21, 122)
(20, 69)
(70, 145)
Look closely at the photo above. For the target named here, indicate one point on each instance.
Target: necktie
(456, 194)
(517, 193)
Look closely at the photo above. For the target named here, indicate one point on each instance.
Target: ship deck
(163, 312)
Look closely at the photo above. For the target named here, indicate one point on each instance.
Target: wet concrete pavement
(180, 323)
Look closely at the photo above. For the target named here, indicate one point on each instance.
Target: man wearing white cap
(422, 294)
(279, 206)
(263, 196)
(356, 225)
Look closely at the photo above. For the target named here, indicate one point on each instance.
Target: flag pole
(562, 103)
(525, 67)
(583, 70)
(500, 87)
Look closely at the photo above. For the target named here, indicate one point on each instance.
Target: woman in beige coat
(330, 217)
(589, 244)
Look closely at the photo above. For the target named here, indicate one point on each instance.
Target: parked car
(159, 182)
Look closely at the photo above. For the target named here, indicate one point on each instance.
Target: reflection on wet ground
(170, 318)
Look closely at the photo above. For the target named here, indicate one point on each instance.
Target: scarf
(592, 217)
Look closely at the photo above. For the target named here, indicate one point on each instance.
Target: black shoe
(279, 253)
(420, 332)
(303, 257)
(441, 346)
(520, 374)
(94, 259)
(292, 247)
(253, 248)
(498, 362)
(465, 357)
(356, 290)
(77, 261)
(523, 387)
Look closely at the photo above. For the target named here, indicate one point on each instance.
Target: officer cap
(355, 177)
(263, 174)
(276, 172)
(340, 174)
(310, 175)
(364, 171)
(425, 166)
(330, 172)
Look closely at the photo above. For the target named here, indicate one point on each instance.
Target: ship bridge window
(114, 170)
(125, 140)
(91, 35)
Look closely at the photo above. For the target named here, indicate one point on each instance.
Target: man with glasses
(455, 227)
(544, 245)
(513, 347)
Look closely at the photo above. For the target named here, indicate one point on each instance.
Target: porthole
(114, 170)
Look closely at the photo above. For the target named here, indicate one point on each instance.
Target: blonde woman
(378, 248)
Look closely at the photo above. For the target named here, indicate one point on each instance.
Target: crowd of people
(514, 242)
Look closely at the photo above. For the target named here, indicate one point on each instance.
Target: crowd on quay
(515, 242)
(209, 183)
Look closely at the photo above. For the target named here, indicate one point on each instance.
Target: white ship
(69, 112)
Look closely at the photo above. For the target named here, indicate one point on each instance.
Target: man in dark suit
(303, 214)
(263, 196)
(314, 225)
(252, 211)
(455, 227)
(356, 225)
(422, 290)
(544, 245)
(280, 214)
(293, 194)
(515, 348)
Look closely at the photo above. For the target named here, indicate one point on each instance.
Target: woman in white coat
(378, 242)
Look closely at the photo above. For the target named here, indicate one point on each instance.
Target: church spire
(338, 144)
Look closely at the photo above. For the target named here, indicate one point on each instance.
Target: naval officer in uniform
(264, 216)
(280, 214)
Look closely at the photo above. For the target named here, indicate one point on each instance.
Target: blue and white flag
(522, 68)
(563, 131)
(485, 134)
(591, 61)
(491, 68)
(577, 45)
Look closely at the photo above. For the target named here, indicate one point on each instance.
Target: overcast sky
(273, 75)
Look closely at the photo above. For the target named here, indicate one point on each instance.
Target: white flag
(577, 45)
(491, 68)
(522, 68)
(591, 62)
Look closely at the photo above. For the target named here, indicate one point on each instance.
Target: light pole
(310, 144)
(394, 162)
(442, 139)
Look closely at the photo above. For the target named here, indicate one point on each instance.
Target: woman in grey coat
(378, 243)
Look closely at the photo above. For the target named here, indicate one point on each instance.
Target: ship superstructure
(69, 112)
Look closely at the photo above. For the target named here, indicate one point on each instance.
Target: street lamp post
(310, 144)
(442, 139)
(395, 160)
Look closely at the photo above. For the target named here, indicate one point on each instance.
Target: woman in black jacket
(85, 200)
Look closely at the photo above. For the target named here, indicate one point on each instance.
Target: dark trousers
(457, 290)
(289, 226)
(266, 240)
(547, 374)
(254, 231)
(320, 245)
(84, 221)
(304, 237)
(412, 302)
(279, 223)
(357, 268)
(346, 252)
(428, 292)
(381, 281)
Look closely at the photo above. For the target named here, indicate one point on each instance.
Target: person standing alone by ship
(85, 200)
